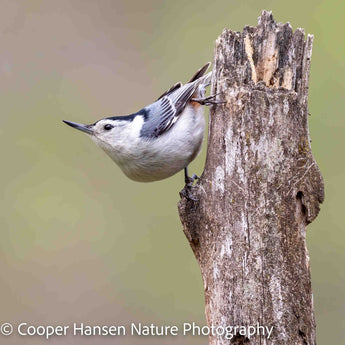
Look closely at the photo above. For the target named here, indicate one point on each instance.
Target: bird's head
(112, 134)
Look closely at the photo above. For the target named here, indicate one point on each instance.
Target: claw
(208, 100)
(186, 191)
(189, 181)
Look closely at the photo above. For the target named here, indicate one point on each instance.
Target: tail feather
(171, 90)
(199, 80)
(202, 82)
(206, 79)
(200, 72)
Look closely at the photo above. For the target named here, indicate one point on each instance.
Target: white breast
(156, 159)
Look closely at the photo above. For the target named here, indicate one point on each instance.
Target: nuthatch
(161, 139)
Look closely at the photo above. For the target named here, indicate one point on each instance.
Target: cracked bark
(260, 187)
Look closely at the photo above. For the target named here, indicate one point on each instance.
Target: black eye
(107, 127)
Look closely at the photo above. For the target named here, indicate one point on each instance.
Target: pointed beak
(84, 128)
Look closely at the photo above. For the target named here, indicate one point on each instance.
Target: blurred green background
(79, 241)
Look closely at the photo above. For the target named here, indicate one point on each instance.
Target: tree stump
(260, 188)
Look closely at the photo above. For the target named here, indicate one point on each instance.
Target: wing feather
(166, 110)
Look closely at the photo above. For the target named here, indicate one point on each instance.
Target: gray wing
(199, 73)
(162, 114)
(172, 89)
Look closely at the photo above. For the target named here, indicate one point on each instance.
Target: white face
(106, 129)
(108, 134)
(118, 138)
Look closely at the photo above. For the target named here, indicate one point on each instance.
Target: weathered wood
(260, 188)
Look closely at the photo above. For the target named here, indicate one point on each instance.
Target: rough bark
(260, 188)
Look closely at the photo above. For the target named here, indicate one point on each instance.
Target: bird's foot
(186, 192)
(208, 100)
(189, 181)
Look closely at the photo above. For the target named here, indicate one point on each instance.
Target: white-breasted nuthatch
(162, 138)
